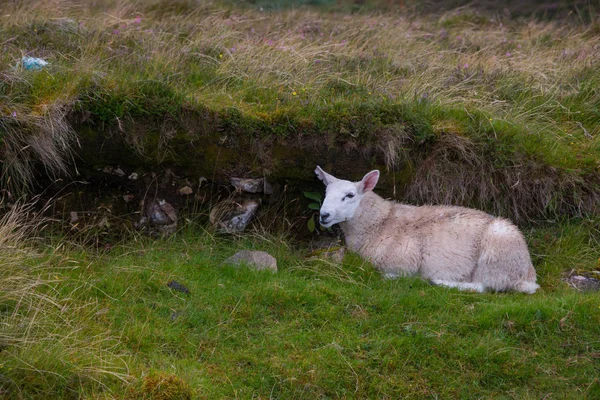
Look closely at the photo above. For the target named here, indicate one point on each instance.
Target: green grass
(465, 107)
(527, 86)
(317, 329)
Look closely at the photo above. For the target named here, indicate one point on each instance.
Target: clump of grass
(50, 340)
(41, 137)
(163, 386)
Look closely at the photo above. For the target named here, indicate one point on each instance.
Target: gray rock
(159, 216)
(583, 283)
(119, 172)
(259, 185)
(178, 286)
(231, 216)
(258, 260)
(161, 213)
(113, 171)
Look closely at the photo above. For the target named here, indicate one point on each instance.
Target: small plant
(163, 386)
(317, 201)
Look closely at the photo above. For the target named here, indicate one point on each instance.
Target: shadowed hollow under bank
(421, 164)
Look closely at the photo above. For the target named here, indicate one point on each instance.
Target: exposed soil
(118, 172)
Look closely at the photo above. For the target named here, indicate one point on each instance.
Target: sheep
(450, 246)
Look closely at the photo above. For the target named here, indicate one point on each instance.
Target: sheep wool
(450, 246)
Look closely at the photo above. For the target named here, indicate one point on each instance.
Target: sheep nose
(324, 216)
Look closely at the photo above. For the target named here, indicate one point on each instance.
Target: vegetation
(490, 110)
(430, 97)
(316, 329)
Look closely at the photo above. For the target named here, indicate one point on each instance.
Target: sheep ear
(324, 176)
(369, 181)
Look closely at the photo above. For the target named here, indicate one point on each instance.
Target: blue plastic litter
(33, 63)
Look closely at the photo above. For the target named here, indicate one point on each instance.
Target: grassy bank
(459, 106)
(316, 329)
(517, 96)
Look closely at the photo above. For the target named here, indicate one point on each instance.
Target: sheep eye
(349, 196)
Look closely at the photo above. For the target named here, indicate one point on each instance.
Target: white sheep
(451, 246)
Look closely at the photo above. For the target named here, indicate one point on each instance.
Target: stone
(259, 185)
(160, 216)
(231, 216)
(178, 286)
(583, 283)
(186, 191)
(113, 171)
(134, 176)
(258, 260)
(128, 198)
(161, 213)
(119, 172)
(103, 222)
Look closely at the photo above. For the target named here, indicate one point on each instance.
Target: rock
(103, 222)
(259, 185)
(159, 215)
(134, 176)
(113, 171)
(584, 283)
(178, 286)
(231, 217)
(258, 260)
(119, 172)
(186, 191)
(74, 217)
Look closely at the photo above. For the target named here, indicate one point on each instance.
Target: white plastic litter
(33, 63)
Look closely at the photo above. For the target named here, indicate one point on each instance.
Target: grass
(460, 106)
(316, 329)
(522, 91)
(50, 340)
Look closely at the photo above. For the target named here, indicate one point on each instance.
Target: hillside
(494, 106)
(458, 107)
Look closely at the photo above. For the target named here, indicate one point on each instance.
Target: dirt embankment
(189, 163)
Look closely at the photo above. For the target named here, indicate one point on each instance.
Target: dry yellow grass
(519, 86)
(49, 334)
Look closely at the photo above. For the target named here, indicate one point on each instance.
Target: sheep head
(343, 197)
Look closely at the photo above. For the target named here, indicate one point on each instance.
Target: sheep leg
(468, 286)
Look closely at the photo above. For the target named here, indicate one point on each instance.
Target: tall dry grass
(248, 58)
(51, 342)
(520, 89)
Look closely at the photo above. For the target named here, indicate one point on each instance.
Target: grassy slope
(315, 329)
(531, 86)
(322, 330)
